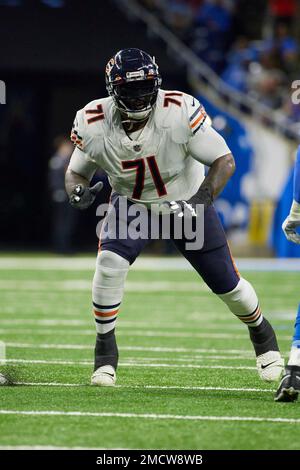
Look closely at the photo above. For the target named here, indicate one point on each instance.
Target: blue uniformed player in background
(289, 387)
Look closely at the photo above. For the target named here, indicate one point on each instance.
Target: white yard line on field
(142, 263)
(133, 332)
(147, 287)
(150, 387)
(192, 358)
(83, 414)
(84, 285)
(129, 348)
(44, 447)
(188, 359)
(198, 319)
(240, 352)
(51, 384)
(122, 324)
(178, 387)
(126, 364)
(43, 311)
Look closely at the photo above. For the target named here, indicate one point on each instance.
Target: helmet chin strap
(136, 116)
(133, 117)
(139, 117)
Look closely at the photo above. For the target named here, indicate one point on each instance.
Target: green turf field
(187, 376)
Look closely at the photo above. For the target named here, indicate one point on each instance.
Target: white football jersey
(165, 162)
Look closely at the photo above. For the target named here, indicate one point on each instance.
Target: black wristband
(202, 196)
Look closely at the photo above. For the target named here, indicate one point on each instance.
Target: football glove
(289, 227)
(291, 223)
(189, 207)
(82, 197)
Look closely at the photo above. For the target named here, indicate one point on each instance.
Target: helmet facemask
(135, 99)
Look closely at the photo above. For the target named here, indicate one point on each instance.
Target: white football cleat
(104, 376)
(3, 380)
(270, 366)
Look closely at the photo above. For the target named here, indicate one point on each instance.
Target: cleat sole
(287, 395)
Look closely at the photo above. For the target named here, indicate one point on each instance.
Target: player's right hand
(82, 197)
(289, 228)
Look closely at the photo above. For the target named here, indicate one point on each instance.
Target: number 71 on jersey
(139, 166)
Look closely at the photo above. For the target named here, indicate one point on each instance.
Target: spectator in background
(179, 16)
(215, 15)
(238, 60)
(64, 217)
(283, 11)
(263, 68)
(266, 80)
(287, 49)
(213, 32)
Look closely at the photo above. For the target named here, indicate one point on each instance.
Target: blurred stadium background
(239, 57)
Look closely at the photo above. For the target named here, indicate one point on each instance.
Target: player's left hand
(289, 228)
(189, 208)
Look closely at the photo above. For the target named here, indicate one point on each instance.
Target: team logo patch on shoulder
(76, 139)
(197, 119)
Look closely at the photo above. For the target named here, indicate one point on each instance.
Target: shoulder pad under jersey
(89, 126)
(179, 112)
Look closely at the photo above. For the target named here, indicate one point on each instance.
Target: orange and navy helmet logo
(109, 65)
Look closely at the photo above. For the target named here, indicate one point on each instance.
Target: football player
(289, 386)
(153, 145)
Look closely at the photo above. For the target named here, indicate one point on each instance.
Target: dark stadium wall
(80, 37)
(52, 61)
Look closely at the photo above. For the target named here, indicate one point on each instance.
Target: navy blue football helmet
(132, 80)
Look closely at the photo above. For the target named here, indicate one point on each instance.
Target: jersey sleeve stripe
(195, 113)
(199, 126)
(199, 119)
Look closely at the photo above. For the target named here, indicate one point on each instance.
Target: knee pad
(243, 302)
(108, 288)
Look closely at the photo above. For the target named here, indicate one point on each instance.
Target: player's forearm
(72, 179)
(296, 191)
(294, 214)
(219, 173)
